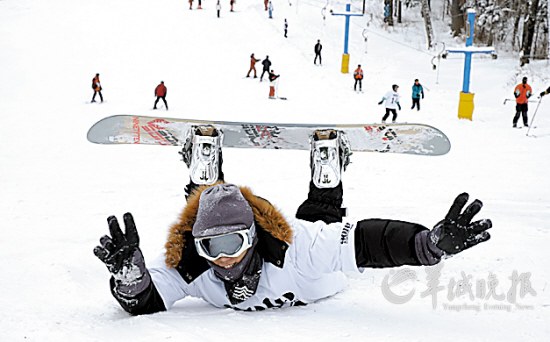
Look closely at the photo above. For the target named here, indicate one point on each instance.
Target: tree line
(510, 25)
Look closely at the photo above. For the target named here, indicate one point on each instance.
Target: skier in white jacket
(236, 250)
(392, 103)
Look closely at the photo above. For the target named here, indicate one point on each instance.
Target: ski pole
(506, 100)
(533, 118)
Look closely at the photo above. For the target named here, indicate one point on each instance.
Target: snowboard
(406, 138)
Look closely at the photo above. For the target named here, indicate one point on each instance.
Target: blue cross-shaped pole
(466, 104)
(345, 56)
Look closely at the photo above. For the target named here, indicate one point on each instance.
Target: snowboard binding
(202, 154)
(330, 153)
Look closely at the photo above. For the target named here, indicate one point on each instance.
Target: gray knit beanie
(222, 210)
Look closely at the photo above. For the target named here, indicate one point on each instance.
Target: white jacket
(314, 268)
(391, 99)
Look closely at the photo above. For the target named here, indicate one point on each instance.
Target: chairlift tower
(466, 100)
(345, 56)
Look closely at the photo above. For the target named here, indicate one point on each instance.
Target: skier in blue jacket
(417, 91)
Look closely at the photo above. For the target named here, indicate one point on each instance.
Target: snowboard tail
(394, 138)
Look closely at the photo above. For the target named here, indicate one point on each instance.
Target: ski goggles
(226, 245)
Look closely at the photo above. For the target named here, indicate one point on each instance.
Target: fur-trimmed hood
(266, 216)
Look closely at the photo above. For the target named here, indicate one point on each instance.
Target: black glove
(123, 258)
(422, 95)
(398, 106)
(381, 102)
(456, 232)
(542, 94)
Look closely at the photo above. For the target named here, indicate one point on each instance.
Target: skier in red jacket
(160, 93)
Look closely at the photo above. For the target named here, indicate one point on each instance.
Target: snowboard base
(406, 138)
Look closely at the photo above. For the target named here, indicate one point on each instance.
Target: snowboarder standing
(286, 28)
(234, 249)
(218, 8)
(160, 93)
(253, 61)
(265, 4)
(266, 66)
(317, 48)
(358, 77)
(417, 91)
(231, 3)
(272, 84)
(522, 93)
(392, 103)
(96, 86)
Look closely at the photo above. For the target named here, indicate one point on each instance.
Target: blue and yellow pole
(345, 56)
(466, 99)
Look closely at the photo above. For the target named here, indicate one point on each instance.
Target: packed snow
(57, 189)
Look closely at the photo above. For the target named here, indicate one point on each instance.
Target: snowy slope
(56, 189)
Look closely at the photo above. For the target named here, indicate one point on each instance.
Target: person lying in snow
(236, 250)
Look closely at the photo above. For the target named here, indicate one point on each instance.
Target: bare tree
(388, 12)
(517, 7)
(529, 31)
(427, 22)
(457, 17)
(399, 11)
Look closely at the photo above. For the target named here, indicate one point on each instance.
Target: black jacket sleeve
(147, 302)
(386, 243)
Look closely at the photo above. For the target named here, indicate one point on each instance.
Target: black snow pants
(416, 102)
(521, 108)
(163, 100)
(388, 111)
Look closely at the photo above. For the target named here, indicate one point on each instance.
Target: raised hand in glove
(453, 234)
(121, 254)
(379, 103)
(457, 232)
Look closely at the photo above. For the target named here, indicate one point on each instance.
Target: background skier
(266, 67)
(392, 103)
(317, 49)
(417, 91)
(253, 61)
(522, 93)
(358, 77)
(160, 93)
(96, 86)
(270, 9)
(272, 84)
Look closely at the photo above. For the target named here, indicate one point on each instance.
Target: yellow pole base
(345, 63)
(466, 106)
